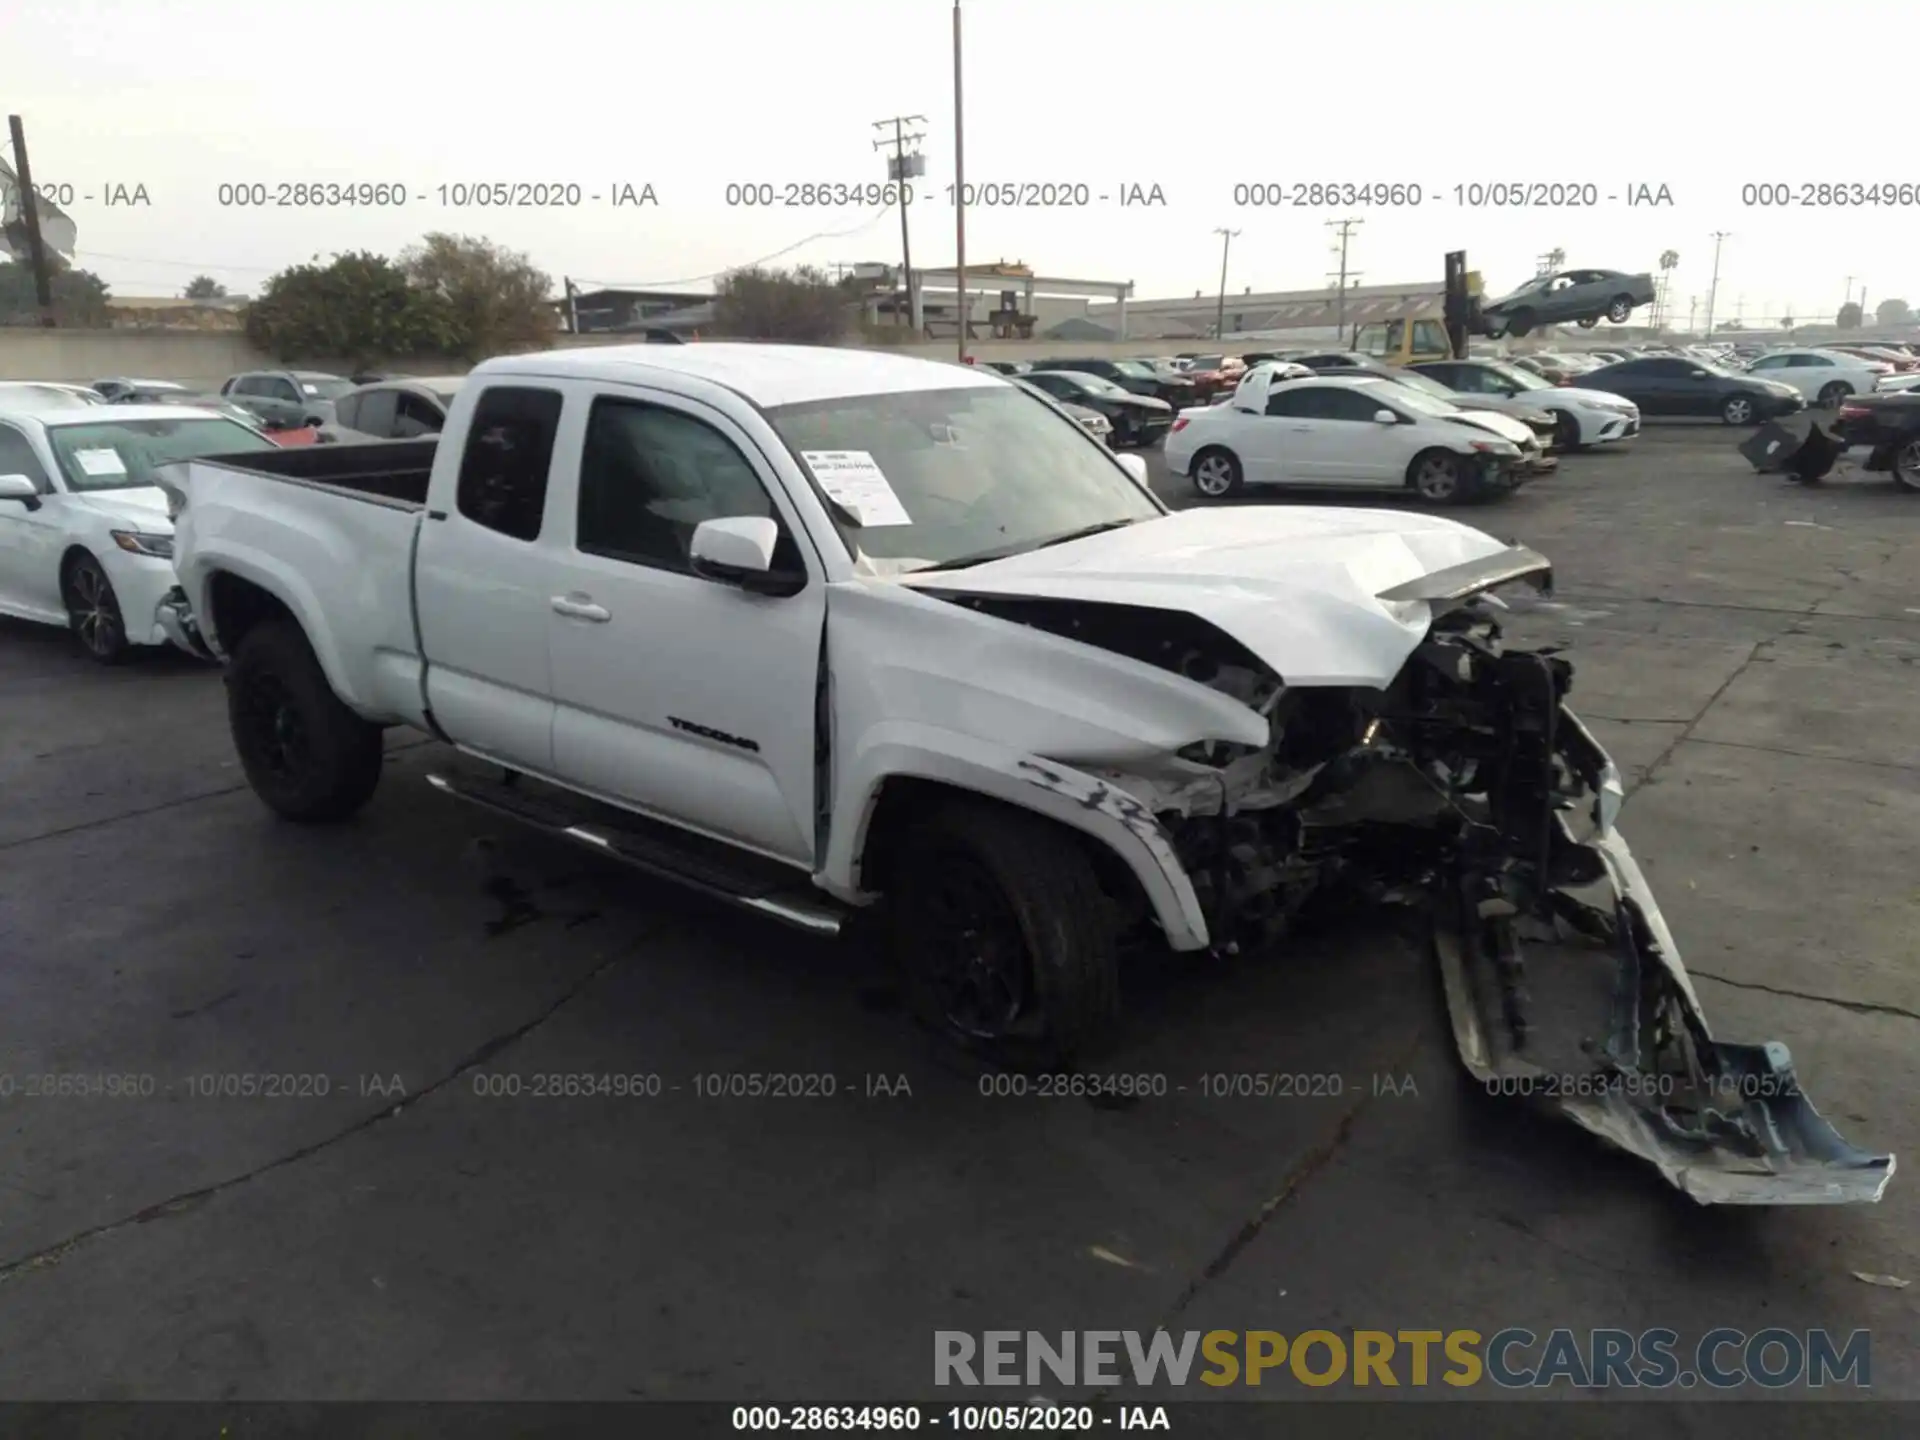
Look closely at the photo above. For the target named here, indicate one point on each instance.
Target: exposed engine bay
(1469, 789)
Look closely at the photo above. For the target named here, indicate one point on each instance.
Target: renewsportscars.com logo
(1514, 1359)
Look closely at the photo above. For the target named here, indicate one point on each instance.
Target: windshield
(1208, 362)
(946, 475)
(122, 454)
(1523, 379)
(1136, 369)
(1421, 403)
(1425, 384)
(325, 389)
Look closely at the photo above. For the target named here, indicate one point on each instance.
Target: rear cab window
(503, 471)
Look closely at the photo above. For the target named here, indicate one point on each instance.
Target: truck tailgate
(340, 560)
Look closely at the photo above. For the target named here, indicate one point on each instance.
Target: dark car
(1134, 375)
(1091, 421)
(1008, 367)
(1136, 419)
(1889, 425)
(1668, 385)
(1562, 297)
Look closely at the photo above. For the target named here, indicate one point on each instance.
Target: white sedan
(1581, 417)
(1824, 377)
(1346, 433)
(85, 540)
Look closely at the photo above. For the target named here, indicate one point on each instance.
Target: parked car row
(1353, 427)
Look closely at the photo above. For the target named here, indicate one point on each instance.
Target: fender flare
(290, 590)
(1102, 811)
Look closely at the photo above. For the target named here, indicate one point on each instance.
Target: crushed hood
(1324, 596)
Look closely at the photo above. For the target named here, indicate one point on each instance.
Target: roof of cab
(768, 375)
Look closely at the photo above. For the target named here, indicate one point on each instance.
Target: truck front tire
(306, 755)
(1004, 937)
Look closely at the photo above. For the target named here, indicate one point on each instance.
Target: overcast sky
(1195, 100)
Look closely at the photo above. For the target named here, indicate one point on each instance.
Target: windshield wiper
(1003, 552)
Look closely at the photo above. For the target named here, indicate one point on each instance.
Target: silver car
(1582, 297)
(398, 409)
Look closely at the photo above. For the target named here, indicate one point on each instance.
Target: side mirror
(1134, 465)
(738, 550)
(21, 488)
(1385, 417)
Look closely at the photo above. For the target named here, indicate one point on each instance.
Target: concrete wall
(204, 359)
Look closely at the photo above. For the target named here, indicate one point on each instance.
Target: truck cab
(1403, 342)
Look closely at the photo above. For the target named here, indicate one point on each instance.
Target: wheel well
(75, 553)
(905, 800)
(237, 606)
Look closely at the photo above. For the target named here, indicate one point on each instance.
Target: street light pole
(1220, 315)
(1713, 288)
(959, 190)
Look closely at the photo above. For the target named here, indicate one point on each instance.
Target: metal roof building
(1273, 312)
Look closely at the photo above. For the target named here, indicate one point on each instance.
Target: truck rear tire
(306, 755)
(1004, 937)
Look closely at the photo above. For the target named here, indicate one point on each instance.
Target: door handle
(580, 608)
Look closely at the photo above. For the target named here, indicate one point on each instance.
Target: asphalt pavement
(414, 1212)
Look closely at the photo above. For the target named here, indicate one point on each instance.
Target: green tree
(802, 305)
(79, 296)
(358, 307)
(1893, 312)
(204, 287)
(1849, 317)
(495, 300)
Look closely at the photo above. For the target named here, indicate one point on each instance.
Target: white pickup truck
(826, 631)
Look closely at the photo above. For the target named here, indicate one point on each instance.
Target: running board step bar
(714, 875)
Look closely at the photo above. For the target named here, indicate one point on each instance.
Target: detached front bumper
(1576, 999)
(174, 619)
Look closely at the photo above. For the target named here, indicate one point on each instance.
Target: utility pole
(30, 219)
(573, 311)
(1345, 229)
(1220, 314)
(1693, 309)
(959, 190)
(1849, 300)
(1713, 289)
(902, 169)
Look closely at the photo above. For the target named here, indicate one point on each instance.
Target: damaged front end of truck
(1468, 787)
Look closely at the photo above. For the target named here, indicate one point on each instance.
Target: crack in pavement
(166, 805)
(1859, 1007)
(51, 1255)
(1807, 755)
(1310, 1165)
(1753, 655)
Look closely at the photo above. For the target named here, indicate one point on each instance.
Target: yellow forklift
(1443, 337)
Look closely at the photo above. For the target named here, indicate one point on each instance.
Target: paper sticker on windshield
(853, 479)
(100, 462)
(311, 389)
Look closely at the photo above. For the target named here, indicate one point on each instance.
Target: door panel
(484, 578)
(643, 713)
(30, 540)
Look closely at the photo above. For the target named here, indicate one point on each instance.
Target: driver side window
(649, 475)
